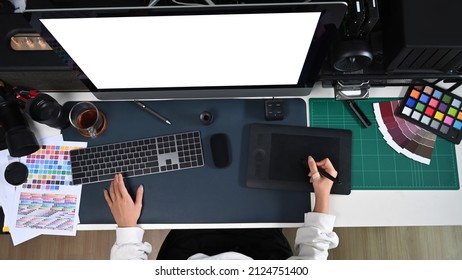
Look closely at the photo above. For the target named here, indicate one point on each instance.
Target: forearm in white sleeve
(315, 238)
(129, 245)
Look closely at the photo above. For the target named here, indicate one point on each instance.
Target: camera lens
(19, 138)
(45, 109)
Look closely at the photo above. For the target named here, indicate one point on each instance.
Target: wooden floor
(355, 243)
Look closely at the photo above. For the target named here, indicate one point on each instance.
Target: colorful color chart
(46, 211)
(49, 168)
(434, 109)
(404, 137)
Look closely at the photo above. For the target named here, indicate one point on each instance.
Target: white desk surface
(360, 208)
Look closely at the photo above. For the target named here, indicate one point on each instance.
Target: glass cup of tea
(89, 121)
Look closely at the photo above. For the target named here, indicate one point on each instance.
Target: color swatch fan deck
(403, 136)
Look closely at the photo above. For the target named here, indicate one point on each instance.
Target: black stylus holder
(358, 113)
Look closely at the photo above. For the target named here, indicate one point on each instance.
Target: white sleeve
(129, 245)
(315, 237)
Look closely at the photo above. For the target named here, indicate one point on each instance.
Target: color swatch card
(47, 203)
(404, 137)
(434, 109)
(8, 195)
(54, 213)
(50, 167)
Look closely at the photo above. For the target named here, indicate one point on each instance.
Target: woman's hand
(126, 212)
(322, 186)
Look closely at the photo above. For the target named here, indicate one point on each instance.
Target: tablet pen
(321, 171)
(328, 176)
(152, 112)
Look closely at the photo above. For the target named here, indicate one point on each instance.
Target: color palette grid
(46, 211)
(434, 109)
(49, 168)
(375, 165)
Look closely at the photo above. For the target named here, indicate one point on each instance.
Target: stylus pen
(321, 171)
(328, 176)
(154, 113)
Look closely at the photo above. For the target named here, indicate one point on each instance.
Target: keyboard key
(150, 164)
(106, 177)
(78, 175)
(76, 169)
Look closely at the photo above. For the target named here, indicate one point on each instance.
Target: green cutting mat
(375, 165)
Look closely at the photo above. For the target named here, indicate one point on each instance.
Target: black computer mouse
(221, 150)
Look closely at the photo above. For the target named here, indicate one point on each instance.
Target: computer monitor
(195, 52)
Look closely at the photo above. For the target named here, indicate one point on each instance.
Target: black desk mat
(199, 195)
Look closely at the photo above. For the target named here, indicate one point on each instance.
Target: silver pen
(152, 112)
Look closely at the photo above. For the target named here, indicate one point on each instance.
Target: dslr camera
(14, 127)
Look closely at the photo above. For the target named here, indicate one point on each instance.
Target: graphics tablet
(276, 152)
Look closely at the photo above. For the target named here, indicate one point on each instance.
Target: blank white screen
(188, 51)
